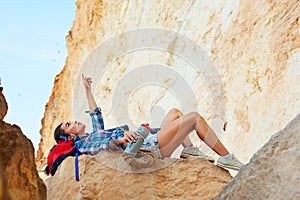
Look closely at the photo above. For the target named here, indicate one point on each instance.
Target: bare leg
(172, 135)
(171, 116)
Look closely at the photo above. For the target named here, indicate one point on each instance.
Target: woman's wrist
(88, 91)
(113, 144)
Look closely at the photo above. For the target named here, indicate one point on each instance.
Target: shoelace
(196, 150)
(236, 161)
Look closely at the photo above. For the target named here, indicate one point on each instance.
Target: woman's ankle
(228, 156)
(188, 147)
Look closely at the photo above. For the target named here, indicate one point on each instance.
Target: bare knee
(196, 116)
(176, 112)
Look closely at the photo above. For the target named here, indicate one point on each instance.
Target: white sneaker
(230, 163)
(194, 151)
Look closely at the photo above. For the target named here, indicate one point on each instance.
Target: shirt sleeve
(97, 119)
(92, 147)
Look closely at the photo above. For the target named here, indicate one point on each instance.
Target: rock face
(273, 172)
(19, 177)
(249, 92)
(106, 176)
(3, 105)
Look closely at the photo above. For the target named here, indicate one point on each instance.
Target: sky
(32, 51)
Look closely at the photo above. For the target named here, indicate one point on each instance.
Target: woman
(173, 132)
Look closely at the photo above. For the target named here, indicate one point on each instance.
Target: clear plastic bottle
(132, 148)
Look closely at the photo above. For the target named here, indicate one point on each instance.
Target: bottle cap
(146, 126)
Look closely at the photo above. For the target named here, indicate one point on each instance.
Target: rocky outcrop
(273, 172)
(251, 91)
(18, 164)
(107, 176)
(3, 105)
(18, 173)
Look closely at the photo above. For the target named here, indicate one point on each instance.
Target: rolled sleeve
(97, 119)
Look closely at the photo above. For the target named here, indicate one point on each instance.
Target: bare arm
(88, 91)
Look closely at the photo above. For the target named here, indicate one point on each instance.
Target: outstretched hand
(87, 81)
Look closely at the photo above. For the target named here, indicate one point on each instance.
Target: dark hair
(58, 132)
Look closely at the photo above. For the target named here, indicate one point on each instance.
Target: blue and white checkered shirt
(93, 143)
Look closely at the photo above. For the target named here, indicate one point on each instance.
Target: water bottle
(132, 148)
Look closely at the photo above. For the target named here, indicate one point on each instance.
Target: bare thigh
(171, 116)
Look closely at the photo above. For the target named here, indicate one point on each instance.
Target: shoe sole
(228, 166)
(204, 158)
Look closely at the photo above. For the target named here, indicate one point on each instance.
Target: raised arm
(88, 91)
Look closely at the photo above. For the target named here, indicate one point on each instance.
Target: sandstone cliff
(250, 91)
(274, 170)
(107, 176)
(18, 174)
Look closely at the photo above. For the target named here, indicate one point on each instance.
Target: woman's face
(73, 127)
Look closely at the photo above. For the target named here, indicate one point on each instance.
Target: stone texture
(107, 176)
(3, 188)
(254, 46)
(273, 172)
(3, 105)
(18, 174)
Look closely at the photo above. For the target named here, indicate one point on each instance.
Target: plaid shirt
(93, 143)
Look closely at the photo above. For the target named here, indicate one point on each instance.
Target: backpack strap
(64, 137)
(76, 165)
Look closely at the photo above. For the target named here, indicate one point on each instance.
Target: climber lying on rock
(174, 131)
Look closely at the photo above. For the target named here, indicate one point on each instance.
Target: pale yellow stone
(273, 172)
(107, 176)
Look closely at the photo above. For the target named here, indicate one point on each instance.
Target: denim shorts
(151, 143)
